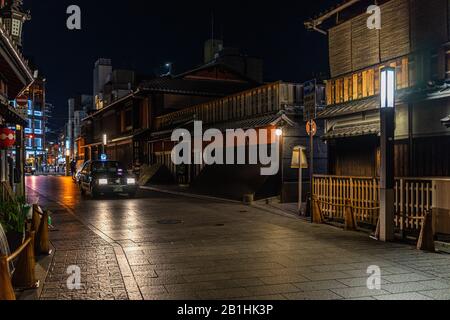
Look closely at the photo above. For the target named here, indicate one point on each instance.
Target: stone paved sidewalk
(168, 247)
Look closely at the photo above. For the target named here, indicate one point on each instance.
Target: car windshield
(107, 167)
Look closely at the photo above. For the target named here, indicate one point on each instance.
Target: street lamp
(279, 134)
(300, 162)
(387, 145)
(105, 142)
(387, 87)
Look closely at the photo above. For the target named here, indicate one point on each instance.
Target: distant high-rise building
(13, 17)
(212, 48)
(102, 72)
(78, 109)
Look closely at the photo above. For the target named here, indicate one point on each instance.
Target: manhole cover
(168, 222)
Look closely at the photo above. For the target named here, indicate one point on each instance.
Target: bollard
(350, 221)
(36, 220)
(248, 199)
(426, 238)
(24, 276)
(376, 235)
(317, 213)
(6, 288)
(42, 245)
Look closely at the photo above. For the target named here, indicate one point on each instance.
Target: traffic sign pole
(311, 169)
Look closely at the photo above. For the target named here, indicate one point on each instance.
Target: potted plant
(13, 216)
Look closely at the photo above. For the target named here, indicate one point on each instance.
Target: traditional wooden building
(127, 122)
(270, 106)
(414, 38)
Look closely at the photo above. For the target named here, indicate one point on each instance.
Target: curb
(275, 211)
(189, 195)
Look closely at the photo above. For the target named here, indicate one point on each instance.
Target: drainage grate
(220, 225)
(170, 222)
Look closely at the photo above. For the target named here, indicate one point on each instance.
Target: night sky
(143, 34)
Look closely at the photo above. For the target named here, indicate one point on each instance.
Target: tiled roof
(361, 105)
(254, 123)
(251, 123)
(359, 129)
(367, 104)
(199, 87)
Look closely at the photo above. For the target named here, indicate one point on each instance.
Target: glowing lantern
(7, 138)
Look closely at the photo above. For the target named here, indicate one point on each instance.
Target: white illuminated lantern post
(105, 142)
(387, 178)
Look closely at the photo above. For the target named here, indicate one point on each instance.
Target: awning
(353, 130)
(279, 119)
(360, 105)
(350, 107)
(255, 123)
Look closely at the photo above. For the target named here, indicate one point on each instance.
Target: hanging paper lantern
(7, 138)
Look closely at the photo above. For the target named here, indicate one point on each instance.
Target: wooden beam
(314, 23)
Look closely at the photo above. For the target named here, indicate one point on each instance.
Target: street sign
(310, 100)
(311, 128)
(22, 101)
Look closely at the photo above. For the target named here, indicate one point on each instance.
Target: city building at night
(78, 109)
(35, 131)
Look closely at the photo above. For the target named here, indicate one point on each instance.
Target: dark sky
(144, 34)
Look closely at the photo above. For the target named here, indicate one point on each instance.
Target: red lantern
(7, 138)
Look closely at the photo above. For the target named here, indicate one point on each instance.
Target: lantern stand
(387, 144)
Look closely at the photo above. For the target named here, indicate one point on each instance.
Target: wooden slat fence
(413, 198)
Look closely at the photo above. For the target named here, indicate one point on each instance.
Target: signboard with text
(310, 100)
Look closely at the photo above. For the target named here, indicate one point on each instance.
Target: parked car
(106, 177)
(30, 170)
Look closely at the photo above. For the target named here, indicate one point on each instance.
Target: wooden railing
(332, 193)
(413, 198)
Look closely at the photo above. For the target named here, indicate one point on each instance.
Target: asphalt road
(160, 246)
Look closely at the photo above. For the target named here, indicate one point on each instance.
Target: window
(366, 83)
(38, 124)
(38, 143)
(15, 30)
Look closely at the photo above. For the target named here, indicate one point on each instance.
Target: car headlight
(131, 181)
(102, 182)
